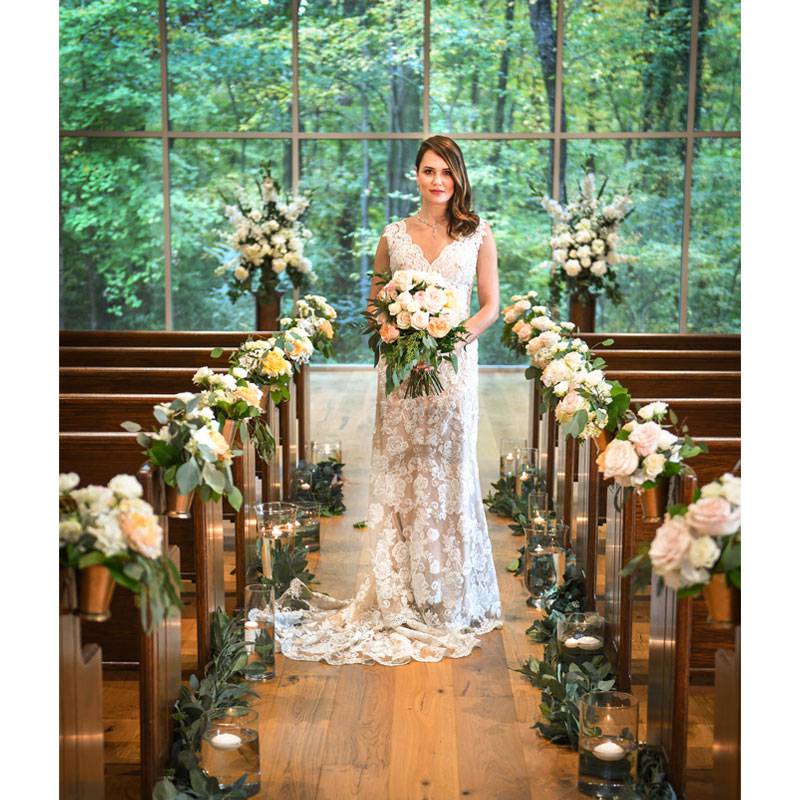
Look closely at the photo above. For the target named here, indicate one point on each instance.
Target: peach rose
(669, 548)
(438, 327)
(571, 403)
(619, 459)
(326, 328)
(140, 527)
(645, 437)
(713, 516)
(389, 332)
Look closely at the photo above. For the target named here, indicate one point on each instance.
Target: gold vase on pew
(179, 506)
(229, 431)
(95, 588)
(602, 441)
(654, 502)
(721, 600)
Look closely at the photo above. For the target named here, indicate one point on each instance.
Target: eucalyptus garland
(506, 503)
(562, 685)
(219, 688)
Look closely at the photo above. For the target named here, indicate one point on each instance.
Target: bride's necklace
(432, 225)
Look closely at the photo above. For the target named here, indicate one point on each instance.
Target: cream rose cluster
(417, 300)
(686, 548)
(314, 316)
(648, 445)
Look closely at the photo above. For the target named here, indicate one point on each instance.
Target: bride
(433, 587)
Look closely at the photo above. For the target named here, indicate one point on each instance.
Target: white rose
(278, 264)
(713, 516)
(573, 360)
(110, 540)
(67, 482)
(618, 459)
(555, 372)
(732, 488)
(583, 236)
(403, 320)
(239, 372)
(572, 267)
(670, 545)
(395, 308)
(522, 305)
(559, 255)
(598, 247)
(584, 251)
(594, 377)
(561, 388)
(666, 439)
(598, 268)
(542, 323)
(653, 465)
(419, 320)
(94, 499)
(125, 486)
(703, 552)
(70, 530)
(568, 406)
(656, 409)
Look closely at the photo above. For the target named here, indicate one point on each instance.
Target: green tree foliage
(492, 69)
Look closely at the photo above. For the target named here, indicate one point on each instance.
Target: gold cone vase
(602, 441)
(720, 599)
(179, 506)
(229, 431)
(654, 502)
(95, 587)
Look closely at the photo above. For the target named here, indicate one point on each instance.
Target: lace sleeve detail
(479, 234)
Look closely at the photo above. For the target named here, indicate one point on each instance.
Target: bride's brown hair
(462, 219)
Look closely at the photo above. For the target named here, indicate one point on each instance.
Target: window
(337, 96)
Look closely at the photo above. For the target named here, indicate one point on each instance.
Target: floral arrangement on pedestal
(644, 451)
(316, 317)
(417, 321)
(269, 238)
(584, 244)
(696, 542)
(111, 527)
(190, 448)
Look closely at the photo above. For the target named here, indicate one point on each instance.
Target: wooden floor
(457, 728)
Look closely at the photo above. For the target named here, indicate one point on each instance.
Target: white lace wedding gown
(433, 587)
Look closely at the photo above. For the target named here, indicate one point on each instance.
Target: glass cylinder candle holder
(308, 522)
(326, 450)
(259, 629)
(544, 560)
(580, 636)
(538, 505)
(508, 456)
(229, 748)
(607, 744)
(526, 470)
(302, 482)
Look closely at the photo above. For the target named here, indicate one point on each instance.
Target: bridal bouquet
(190, 449)
(644, 451)
(584, 243)
(695, 542)
(269, 238)
(111, 526)
(417, 322)
(316, 317)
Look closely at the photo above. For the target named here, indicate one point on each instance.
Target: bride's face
(436, 182)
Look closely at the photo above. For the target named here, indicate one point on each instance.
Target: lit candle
(609, 751)
(572, 642)
(305, 486)
(589, 643)
(276, 531)
(226, 741)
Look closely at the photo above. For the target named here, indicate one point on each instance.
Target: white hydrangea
(125, 486)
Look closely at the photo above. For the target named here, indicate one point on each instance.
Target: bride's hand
(422, 368)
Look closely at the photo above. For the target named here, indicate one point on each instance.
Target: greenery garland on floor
(324, 481)
(562, 685)
(219, 688)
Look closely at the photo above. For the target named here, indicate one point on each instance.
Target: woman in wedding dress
(433, 587)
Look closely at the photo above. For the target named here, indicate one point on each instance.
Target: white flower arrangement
(269, 238)
(113, 527)
(265, 363)
(584, 243)
(317, 319)
(190, 448)
(644, 451)
(696, 541)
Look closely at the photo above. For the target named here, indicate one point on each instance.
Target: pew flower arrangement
(417, 320)
(236, 402)
(695, 542)
(517, 317)
(190, 448)
(269, 238)
(264, 363)
(111, 526)
(584, 243)
(644, 451)
(316, 317)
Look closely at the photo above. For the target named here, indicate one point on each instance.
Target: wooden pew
(80, 703)
(97, 457)
(666, 341)
(158, 654)
(678, 383)
(671, 360)
(728, 723)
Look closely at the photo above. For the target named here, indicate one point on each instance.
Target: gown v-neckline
(419, 248)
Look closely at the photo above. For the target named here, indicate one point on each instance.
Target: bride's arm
(488, 288)
(381, 265)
